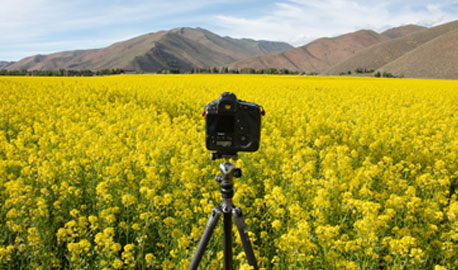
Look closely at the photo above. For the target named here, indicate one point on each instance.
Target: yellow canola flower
(118, 264)
(113, 172)
(150, 259)
(128, 200)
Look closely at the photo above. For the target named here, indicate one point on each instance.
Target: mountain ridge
(401, 31)
(182, 48)
(4, 64)
(408, 50)
(323, 53)
(379, 55)
(436, 58)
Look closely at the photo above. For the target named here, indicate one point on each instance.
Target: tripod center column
(227, 185)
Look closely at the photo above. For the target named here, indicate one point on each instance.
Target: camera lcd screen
(220, 124)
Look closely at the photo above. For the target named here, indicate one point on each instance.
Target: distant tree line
(226, 70)
(61, 72)
(104, 72)
(387, 75)
(359, 70)
(364, 70)
(378, 74)
(213, 70)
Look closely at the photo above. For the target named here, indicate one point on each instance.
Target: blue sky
(29, 27)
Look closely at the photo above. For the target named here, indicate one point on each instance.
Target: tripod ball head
(237, 173)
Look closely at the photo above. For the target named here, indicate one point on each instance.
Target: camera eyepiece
(228, 103)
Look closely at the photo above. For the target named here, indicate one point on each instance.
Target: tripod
(228, 172)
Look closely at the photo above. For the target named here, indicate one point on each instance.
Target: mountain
(437, 58)
(410, 50)
(4, 64)
(381, 54)
(316, 56)
(182, 48)
(323, 53)
(402, 31)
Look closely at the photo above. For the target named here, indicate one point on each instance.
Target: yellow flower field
(112, 172)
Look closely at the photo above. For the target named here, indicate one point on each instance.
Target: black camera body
(232, 125)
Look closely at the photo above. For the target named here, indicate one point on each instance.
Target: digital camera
(232, 125)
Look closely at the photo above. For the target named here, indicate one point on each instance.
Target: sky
(30, 27)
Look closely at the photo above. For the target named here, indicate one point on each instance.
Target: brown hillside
(182, 48)
(437, 58)
(4, 64)
(316, 56)
(115, 56)
(383, 53)
(402, 31)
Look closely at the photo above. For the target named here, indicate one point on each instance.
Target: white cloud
(44, 26)
(46, 16)
(298, 22)
(47, 23)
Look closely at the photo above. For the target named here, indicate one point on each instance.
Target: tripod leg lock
(237, 212)
(215, 211)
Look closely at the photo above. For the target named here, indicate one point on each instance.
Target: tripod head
(227, 156)
(228, 171)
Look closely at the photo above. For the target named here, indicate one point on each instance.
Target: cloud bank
(299, 22)
(29, 27)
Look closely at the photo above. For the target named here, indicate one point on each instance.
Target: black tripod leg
(238, 217)
(227, 241)
(211, 224)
